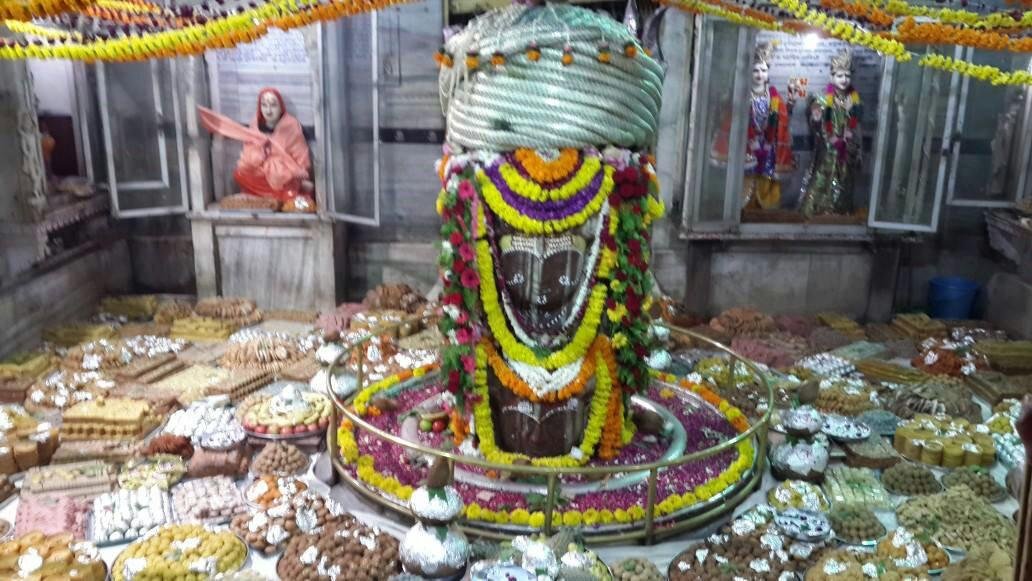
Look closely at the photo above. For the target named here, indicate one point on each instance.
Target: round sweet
(958, 518)
(279, 458)
(178, 552)
(349, 550)
(745, 550)
(978, 480)
(23, 558)
(269, 489)
(797, 494)
(269, 530)
(910, 479)
(635, 569)
(855, 524)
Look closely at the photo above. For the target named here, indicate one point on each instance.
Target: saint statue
(274, 162)
(838, 145)
(768, 147)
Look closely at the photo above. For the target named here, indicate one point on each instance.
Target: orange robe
(264, 171)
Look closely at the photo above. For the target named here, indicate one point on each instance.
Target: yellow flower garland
(982, 72)
(510, 345)
(30, 29)
(699, 7)
(951, 16)
(592, 432)
(522, 517)
(361, 401)
(503, 210)
(532, 191)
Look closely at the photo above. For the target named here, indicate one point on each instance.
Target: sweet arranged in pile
(910, 479)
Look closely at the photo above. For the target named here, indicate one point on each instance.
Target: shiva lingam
(546, 251)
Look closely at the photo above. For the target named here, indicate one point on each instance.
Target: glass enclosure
(143, 140)
(911, 160)
(990, 152)
(916, 137)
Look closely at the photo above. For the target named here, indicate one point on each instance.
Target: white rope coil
(544, 103)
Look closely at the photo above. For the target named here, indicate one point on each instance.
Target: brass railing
(757, 431)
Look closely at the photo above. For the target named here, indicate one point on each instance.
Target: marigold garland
(547, 171)
(525, 189)
(510, 380)
(604, 369)
(742, 16)
(532, 190)
(672, 503)
(513, 349)
(981, 72)
(953, 16)
(910, 31)
(361, 401)
(225, 31)
(31, 9)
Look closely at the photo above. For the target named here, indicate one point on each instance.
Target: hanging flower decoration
(462, 225)
(912, 32)
(189, 34)
(22, 10)
(982, 72)
(635, 206)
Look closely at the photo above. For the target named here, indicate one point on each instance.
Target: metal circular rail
(757, 431)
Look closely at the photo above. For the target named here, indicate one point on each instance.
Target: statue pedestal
(284, 261)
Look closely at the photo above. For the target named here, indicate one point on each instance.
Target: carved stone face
(271, 109)
(841, 78)
(760, 74)
(543, 274)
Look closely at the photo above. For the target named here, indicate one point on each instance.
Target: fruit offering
(39, 556)
(957, 518)
(797, 494)
(635, 569)
(180, 552)
(977, 479)
(910, 479)
(289, 412)
(855, 524)
(279, 458)
(269, 489)
(855, 486)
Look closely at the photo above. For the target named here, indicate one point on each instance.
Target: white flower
(446, 248)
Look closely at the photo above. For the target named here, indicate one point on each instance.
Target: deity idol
(548, 194)
(274, 162)
(768, 147)
(838, 145)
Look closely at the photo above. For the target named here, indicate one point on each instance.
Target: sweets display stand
(594, 476)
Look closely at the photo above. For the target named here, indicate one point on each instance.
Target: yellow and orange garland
(361, 401)
(598, 416)
(583, 337)
(514, 383)
(547, 171)
(367, 473)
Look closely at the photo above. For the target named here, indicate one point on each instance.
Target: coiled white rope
(546, 104)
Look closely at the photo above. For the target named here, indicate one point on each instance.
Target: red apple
(439, 425)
